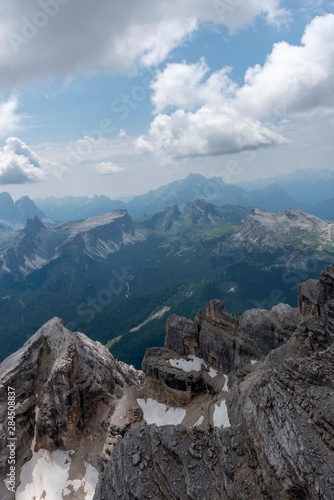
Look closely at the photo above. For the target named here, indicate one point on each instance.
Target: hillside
(116, 279)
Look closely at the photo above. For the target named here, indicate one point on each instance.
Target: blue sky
(118, 98)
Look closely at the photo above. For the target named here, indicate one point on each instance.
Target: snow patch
(46, 476)
(199, 421)
(253, 361)
(188, 365)
(160, 414)
(213, 373)
(220, 415)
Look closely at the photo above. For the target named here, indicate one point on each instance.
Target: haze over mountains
(306, 190)
(116, 278)
(303, 190)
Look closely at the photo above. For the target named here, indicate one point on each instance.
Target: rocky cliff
(67, 390)
(233, 407)
(280, 441)
(97, 237)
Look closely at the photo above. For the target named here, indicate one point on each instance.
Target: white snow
(160, 414)
(44, 472)
(253, 361)
(212, 372)
(220, 416)
(225, 388)
(46, 476)
(199, 421)
(192, 364)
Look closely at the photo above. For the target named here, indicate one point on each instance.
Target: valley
(111, 276)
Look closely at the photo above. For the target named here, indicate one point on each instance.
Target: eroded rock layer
(280, 444)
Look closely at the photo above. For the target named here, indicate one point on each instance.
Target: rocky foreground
(231, 408)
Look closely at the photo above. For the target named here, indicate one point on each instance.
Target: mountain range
(303, 190)
(15, 215)
(116, 279)
(231, 407)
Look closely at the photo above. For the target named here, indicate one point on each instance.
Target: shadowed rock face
(316, 299)
(281, 441)
(270, 329)
(66, 388)
(214, 336)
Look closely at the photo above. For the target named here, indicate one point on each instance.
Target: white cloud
(53, 38)
(108, 168)
(187, 86)
(208, 131)
(201, 113)
(20, 165)
(294, 78)
(10, 120)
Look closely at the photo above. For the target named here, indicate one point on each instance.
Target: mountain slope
(213, 415)
(306, 186)
(324, 209)
(71, 208)
(275, 436)
(96, 237)
(107, 275)
(299, 236)
(15, 215)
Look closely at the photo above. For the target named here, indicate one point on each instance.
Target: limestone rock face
(66, 389)
(214, 336)
(280, 444)
(316, 299)
(175, 462)
(270, 329)
(257, 420)
(182, 335)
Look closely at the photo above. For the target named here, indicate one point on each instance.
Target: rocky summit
(232, 407)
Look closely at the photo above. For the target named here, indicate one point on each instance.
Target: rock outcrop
(250, 421)
(67, 388)
(280, 444)
(214, 336)
(270, 329)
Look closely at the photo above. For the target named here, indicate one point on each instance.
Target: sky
(117, 98)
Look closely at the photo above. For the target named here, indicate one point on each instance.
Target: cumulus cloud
(294, 78)
(109, 168)
(202, 113)
(208, 131)
(111, 37)
(10, 119)
(20, 165)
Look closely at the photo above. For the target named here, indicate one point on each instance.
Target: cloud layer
(10, 119)
(61, 37)
(199, 113)
(109, 168)
(20, 165)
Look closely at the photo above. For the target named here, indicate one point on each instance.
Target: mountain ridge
(212, 416)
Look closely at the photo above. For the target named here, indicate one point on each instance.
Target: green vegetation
(180, 269)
